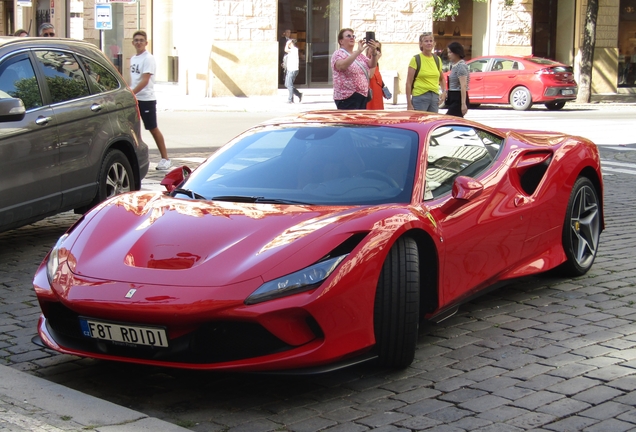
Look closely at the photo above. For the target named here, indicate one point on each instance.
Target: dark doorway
(544, 22)
(8, 14)
(315, 25)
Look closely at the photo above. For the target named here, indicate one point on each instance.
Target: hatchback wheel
(521, 99)
(555, 106)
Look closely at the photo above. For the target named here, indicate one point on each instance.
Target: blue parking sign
(103, 17)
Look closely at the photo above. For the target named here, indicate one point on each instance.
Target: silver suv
(69, 130)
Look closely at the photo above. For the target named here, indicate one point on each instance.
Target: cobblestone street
(541, 354)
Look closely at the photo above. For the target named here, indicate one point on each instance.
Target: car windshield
(310, 164)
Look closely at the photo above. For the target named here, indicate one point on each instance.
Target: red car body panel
(192, 261)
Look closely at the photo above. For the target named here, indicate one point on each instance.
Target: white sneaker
(163, 165)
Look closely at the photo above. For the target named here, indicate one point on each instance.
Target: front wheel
(581, 229)
(521, 99)
(555, 106)
(397, 302)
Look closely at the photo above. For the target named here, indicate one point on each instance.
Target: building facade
(232, 47)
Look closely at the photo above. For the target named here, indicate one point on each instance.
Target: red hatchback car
(520, 82)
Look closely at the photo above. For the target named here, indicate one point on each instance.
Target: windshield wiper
(256, 199)
(189, 193)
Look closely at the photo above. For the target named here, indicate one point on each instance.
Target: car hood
(153, 238)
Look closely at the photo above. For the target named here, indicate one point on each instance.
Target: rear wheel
(115, 177)
(397, 299)
(555, 106)
(581, 229)
(520, 98)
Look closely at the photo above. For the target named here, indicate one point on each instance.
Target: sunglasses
(49, 34)
(350, 36)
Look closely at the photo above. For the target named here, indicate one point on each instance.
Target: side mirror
(11, 109)
(466, 188)
(175, 177)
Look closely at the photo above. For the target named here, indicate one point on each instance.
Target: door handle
(309, 53)
(43, 120)
(96, 107)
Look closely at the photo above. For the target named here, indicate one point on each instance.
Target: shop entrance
(315, 25)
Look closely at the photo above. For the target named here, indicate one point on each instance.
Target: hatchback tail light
(557, 73)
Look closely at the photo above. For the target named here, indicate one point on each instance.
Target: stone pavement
(544, 354)
(29, 403)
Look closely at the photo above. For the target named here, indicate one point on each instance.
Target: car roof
(14, 42)
(527, 58)
(361, 117)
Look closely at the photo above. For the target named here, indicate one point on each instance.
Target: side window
(478, 65)
(505, 65)
(99, 78)
(17, 79)
(64, 76)
(455, 151)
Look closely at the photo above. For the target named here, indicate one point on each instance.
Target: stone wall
(514, 28)
(400, 21)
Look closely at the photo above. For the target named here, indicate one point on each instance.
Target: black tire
(520, 98)
(397, 301)
(555, 106)
(115, 177)
(581, 229)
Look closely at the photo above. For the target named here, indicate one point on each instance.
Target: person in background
(375, 83)
(142, 82)
(292, 71)
(423, 89)
(46, 30)
(282, 44)
(458, 81)
(351, 71)
(21, 33)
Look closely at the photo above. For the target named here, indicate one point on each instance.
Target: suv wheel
(115, 177)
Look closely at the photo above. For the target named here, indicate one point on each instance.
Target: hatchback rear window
(542, 61)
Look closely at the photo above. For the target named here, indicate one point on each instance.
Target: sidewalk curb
(79, 408)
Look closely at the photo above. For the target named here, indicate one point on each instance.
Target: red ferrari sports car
(319, 240)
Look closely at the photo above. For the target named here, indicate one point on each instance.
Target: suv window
(455, 151)
(17, 79)
(64, 76)
(99, 78)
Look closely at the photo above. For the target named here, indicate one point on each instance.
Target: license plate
(129, 334)
(567, 92)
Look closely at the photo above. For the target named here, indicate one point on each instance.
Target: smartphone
(370, 36)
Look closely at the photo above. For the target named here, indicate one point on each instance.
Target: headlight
(54, 259)
(303, 280)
